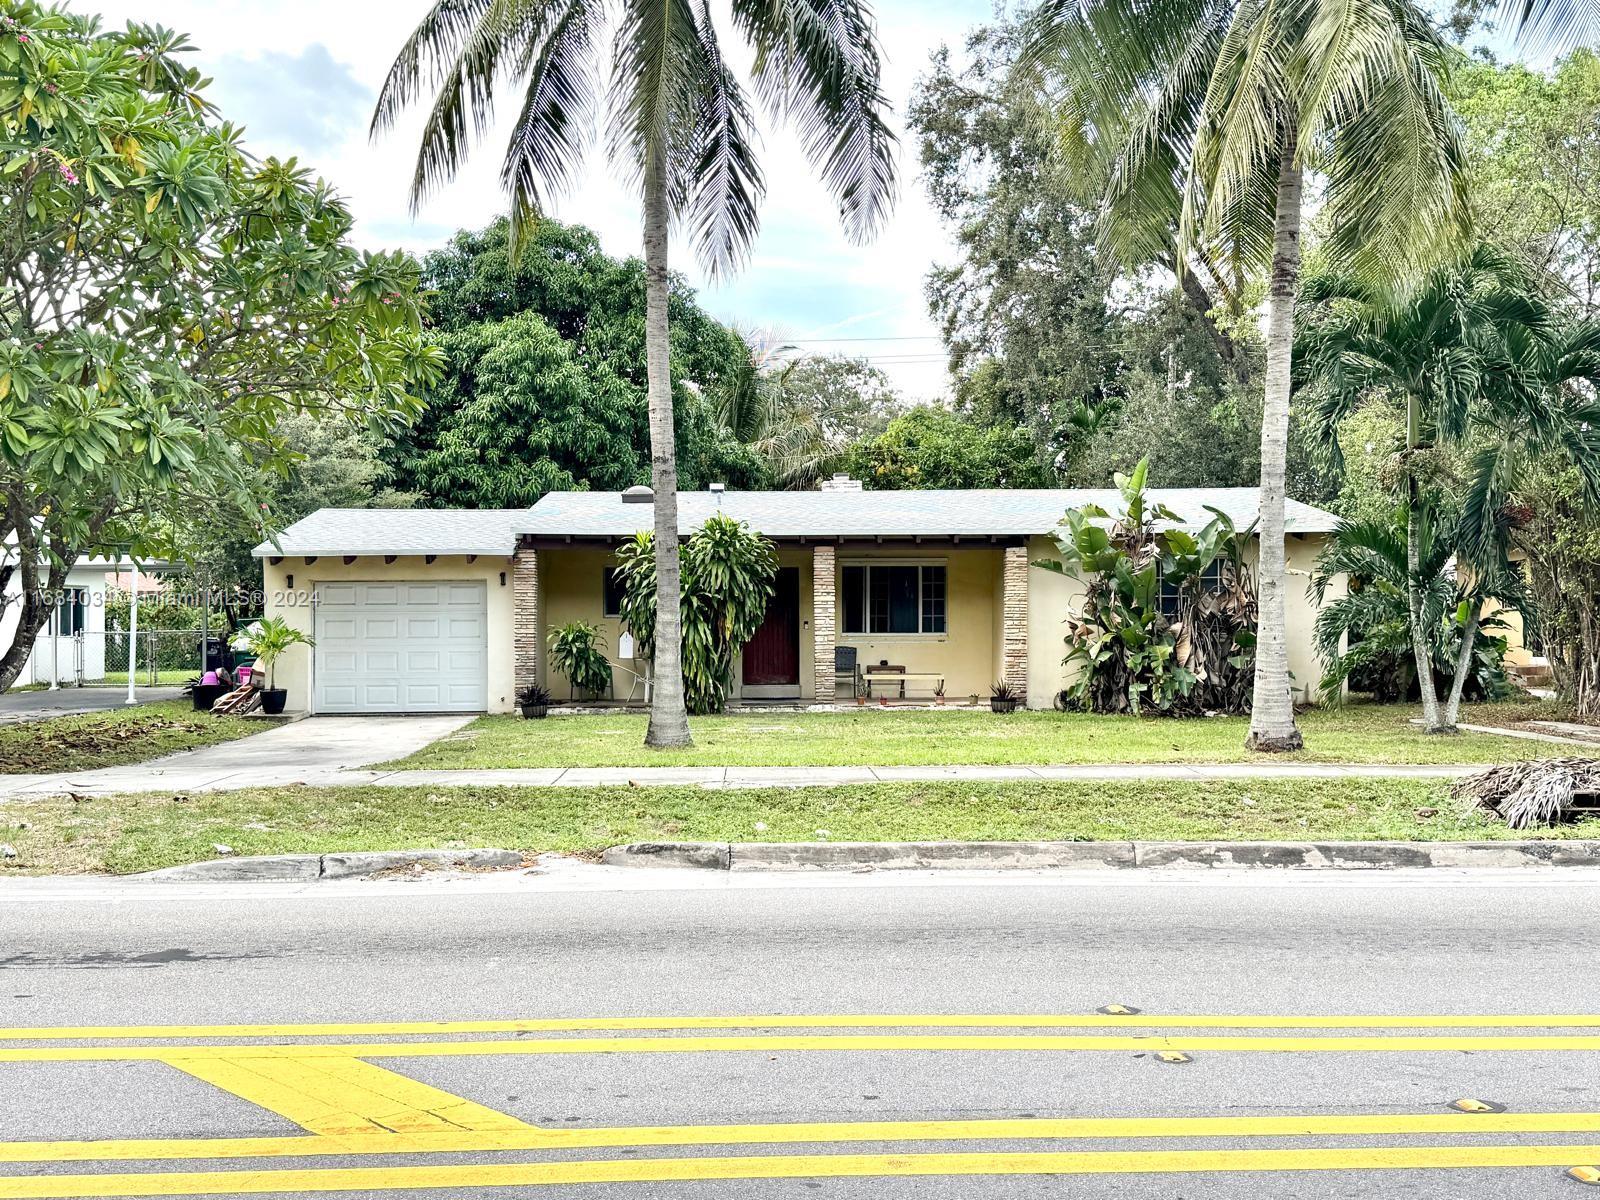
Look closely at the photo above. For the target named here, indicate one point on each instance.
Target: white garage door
(401, 647)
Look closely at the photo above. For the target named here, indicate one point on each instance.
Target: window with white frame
(893, 597)
(1170, 598)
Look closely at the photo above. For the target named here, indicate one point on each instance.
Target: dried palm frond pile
(1527, 794)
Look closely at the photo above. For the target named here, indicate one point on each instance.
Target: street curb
(1113, 856)
(309, 868)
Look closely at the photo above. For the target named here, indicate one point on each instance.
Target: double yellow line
(350, 1107)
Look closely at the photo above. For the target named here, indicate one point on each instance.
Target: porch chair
(845, 667)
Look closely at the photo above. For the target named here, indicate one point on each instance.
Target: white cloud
(301, 74)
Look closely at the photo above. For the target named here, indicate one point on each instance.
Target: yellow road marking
(880, 1021)
(343, 1096)
(825, 1042)
(529, 1138)
(489, 1175)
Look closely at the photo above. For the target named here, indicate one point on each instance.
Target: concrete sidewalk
(199, 776)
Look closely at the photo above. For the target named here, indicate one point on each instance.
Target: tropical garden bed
(122, 834)
(1355, 733)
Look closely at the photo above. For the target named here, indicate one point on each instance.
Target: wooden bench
(899, 675)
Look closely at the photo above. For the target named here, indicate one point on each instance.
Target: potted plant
(577, 651)
(534, 702)
(1002, 699)
(269, 640)
(938, 695)
(205, 690)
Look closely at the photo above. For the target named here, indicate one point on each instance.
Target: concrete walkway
(209, 770)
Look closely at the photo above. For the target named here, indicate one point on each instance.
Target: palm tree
(1212, 113)
(1484, 368)
(1370, 631)
(681, 127)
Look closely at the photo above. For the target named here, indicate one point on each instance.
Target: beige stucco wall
(1051, 595)
(293, 604)
(572, 588)
(967, 653)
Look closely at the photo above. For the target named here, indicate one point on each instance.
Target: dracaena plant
(1129, 651)
(728, 573)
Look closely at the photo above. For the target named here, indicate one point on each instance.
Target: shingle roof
(333, 531)
(993, 512)
(975, 513)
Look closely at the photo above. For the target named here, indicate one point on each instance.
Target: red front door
(772, 657)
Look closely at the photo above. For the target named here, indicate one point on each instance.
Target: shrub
(1194, 655)
(576, 651)
(728, 571)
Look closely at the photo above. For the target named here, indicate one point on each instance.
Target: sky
(301, 76)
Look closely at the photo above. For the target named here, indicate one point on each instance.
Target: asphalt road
(1056, 1100)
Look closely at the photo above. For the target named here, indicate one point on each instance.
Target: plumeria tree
(166, 300)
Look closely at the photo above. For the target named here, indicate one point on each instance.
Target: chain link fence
(160, 657)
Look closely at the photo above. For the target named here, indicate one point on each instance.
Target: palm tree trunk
(1420, 650)
(1272, 726)
(669, 719)
(1469, 636)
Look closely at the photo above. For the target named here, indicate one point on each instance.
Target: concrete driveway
(308, 751)
(16, 707)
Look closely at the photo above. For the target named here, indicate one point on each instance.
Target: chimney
(840, 483)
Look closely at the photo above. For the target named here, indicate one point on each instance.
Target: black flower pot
(207, 694)
(1002, 706)
(273, 700)
(535, 712)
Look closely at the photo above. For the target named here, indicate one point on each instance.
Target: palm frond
(461, 50)
(728, 186)
(817, 67)
(552, 131)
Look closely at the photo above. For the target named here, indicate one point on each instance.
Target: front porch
(910, 623)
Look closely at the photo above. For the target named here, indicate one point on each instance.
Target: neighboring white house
(75, 634)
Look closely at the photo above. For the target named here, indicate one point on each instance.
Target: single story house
(76, 632)
(449, 610)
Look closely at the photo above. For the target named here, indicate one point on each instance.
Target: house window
(894, 598)
(1170, 598)
(614, 591)
(71, 612)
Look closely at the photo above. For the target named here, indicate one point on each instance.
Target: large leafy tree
(168, 300)
(1030, 329)
(801, 414)
(549, 341)
(1534, 140)
(1485, 371)
(681, 127)
(1209, 114)
(929, 447)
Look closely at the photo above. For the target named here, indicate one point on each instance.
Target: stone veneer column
(1014, 652)
(525, 616)
(824, 621)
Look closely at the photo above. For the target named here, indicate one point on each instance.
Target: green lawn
(115, 737)
(175, 678)
(137, 833)
(876, 737)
